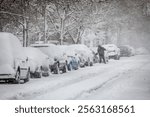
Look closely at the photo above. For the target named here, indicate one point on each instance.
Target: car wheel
(17, 77)
(64, 69)
(116, 57)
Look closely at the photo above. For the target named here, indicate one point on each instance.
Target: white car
(13, 62)
(37, 61)
(84, 53)
(113, 51)
(57, 57)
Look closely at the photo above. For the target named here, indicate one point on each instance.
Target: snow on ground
(132, 85)
(128, 76)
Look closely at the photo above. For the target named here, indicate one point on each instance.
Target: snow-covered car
(37, 61)
(84, 53)
(72, 58)
(73, 63)
(113, 51)
(126, 50)
(13, 62)
(57, 58)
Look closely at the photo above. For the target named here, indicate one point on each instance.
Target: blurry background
(90, 22)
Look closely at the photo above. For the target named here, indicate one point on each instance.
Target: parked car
(56, 56)
(73, 63)
(113, 51)
(73, 58)
(84, 53)
(13, 62)
(37, 61)
(126, 50)
(45, 71)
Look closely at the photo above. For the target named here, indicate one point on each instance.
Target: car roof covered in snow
(36, 58)
(109, 45)
(81, 50)
(35, 54)
(40, 45)
(10, 48)
(53, 51)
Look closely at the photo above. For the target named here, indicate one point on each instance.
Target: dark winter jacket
(101, 50)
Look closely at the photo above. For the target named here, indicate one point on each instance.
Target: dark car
(126, 51)
(54, 68)
(45, 71)
(37, 73)
(58, 66)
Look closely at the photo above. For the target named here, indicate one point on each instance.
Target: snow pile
(10, 49)
(36, 58)
(141, 50)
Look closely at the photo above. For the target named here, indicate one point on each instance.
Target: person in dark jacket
(101, 53)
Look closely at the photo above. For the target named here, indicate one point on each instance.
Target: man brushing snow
(101, 53)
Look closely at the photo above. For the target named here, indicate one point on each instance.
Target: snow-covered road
(128, 78)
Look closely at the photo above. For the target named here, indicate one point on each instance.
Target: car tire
(64, 69)
(116, 57)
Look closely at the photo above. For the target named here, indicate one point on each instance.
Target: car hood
(6, 69)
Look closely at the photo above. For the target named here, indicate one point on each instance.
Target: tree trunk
(61, 31)
(1, 27)
(25, 29)
(45, 22)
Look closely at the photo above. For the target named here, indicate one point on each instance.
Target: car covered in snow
(71, 57)
(84, 53)
(56, 56)
(113, 51)
(72, 63)
(38, 62)
(126, 51)
(13, 62)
